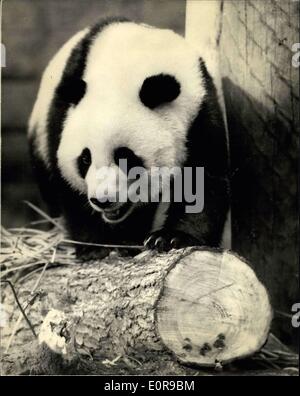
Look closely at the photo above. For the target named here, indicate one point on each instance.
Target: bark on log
(205, 306)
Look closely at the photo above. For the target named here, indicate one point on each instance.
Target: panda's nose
(101, 205)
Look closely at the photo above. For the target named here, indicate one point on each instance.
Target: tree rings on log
(213, 309)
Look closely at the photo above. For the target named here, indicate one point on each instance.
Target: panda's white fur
(111, 114)
(50, 80)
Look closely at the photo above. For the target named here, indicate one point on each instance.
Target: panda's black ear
(159, 89)
(71, 90)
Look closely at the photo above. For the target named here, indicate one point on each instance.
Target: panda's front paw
(164, 240)
(87, 253)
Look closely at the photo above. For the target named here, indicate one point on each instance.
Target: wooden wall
(261, 90)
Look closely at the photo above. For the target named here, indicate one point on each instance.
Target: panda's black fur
(159, 89)
(206, 146)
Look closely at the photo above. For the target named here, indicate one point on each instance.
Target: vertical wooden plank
(261, 90)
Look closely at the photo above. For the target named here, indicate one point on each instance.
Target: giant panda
(122, 90)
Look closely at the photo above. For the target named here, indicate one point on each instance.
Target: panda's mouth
(119, 214)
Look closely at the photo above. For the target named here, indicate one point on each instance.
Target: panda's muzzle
(113, 212)
(102, 205)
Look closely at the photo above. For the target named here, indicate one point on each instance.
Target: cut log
(203, 306)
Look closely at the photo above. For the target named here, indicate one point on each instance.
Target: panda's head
(140, 91)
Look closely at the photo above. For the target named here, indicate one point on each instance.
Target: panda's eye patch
(83, 162)
(159, 89)
(132, 160)
(71, 90)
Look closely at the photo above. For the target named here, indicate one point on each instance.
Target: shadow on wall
(42, 28)
(264, 150)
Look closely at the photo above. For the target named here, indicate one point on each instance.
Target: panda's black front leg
(84, 228)
(90, 231)
(87, 253)
(172, 235)
(205, 228)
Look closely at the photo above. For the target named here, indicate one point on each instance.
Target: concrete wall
(32, 31)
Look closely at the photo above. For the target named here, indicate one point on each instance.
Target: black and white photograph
(149, 190)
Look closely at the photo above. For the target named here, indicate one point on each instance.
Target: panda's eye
(159, 89)
(71, 90)
(132, 160)
(83, 162)
(86, 159)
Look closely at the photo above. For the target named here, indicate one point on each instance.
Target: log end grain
(213, 309)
